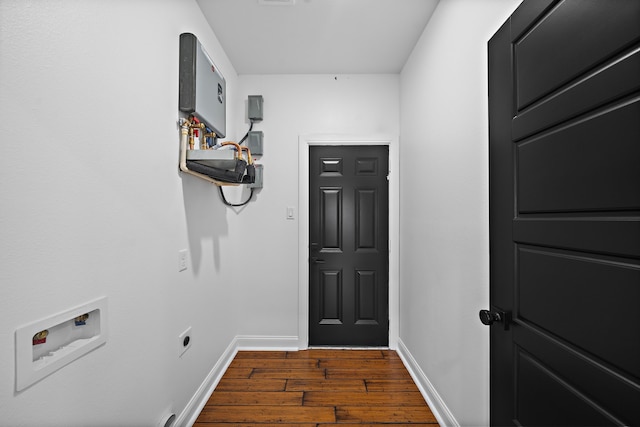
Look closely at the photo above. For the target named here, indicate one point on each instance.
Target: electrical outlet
(184, 341)
(182, 259)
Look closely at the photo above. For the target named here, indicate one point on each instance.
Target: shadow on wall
(206, 218)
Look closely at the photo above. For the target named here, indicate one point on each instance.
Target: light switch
(291, 212)
(182, 259)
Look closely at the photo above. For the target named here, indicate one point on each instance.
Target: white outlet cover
(181, 347)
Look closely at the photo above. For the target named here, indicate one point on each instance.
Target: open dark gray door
(564, 124)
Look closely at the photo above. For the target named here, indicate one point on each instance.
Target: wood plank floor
(315, 388)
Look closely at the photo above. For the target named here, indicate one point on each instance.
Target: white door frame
(304, 142)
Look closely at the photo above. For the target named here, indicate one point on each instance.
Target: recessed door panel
(557, 291)
(367, 166)
(544, 184)
(367, 221)
(608, 235)
(331, 217)
(331, 166)
(543, 398)
(572, 38)
(330, 297)
(612, 80)
(613, 391)
(366, 298)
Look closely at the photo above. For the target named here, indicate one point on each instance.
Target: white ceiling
(318, 36)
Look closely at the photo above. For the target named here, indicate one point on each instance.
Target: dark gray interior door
(349, 249)
(564, 124)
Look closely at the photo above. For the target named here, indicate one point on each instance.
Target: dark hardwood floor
(314, 388)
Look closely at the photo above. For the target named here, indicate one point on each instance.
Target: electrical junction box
(202, 86)
(255, 107)
(254, 142)
(259, 177)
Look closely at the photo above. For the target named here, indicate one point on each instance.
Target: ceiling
(318, 36)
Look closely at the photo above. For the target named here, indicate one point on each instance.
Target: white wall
(444, 203)
(93, 205)
(296, 105)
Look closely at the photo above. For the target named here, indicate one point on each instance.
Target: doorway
(305, 143)
(348, 245)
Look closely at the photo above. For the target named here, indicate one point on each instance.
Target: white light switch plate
(182, 259)
(291, 212)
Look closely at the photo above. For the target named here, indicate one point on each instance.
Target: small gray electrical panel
(202, 86)
(254, 142)
(255, 107)
(258, 181)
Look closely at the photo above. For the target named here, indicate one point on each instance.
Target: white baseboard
(241, 342)
(438, 407)
(194, 407)
(267, 343)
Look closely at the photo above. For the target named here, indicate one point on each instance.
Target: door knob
(317, 260)
(489, 317)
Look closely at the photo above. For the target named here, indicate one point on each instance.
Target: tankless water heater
(202, 86)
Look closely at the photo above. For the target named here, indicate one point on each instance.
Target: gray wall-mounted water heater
(202, 86)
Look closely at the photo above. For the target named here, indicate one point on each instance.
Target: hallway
(98, 208)
(316, 387)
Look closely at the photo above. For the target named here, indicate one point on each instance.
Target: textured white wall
(444, 244)
(93, 205)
